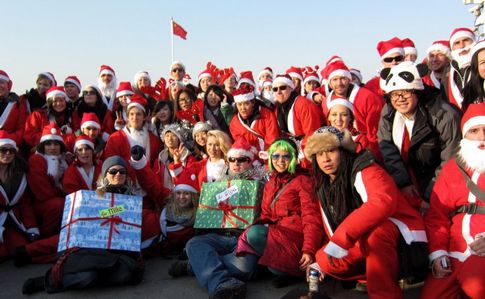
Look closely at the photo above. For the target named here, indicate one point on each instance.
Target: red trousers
(11, 238)
(150, 224)
(373, 258)
(466, 280)
(49, 214)
(44, 250)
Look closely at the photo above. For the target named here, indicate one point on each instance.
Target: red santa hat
(106, 69)
(266, 70)
(460, 33)
(186, 79)
(281, 80)
(388, 47)
(442, 46)
(474, 115)
(244, 93)
(50, 76)
(51, 132)
(137, 101)
(124, 89)
(55, 91)
(478, 47)
(295, 72)
(83, 140)
(267, 82)
(333, 59)
(356, 73)
(90, 119)
(204, 74)
(409, 47)
(186, 181)
(241, 147)
(141, 74)
(246, 77)
(337, 68)
(310, 74)
(73, 80)
(340, 101)
(4, 77)
(7, 139)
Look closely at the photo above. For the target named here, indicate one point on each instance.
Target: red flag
(178, 30)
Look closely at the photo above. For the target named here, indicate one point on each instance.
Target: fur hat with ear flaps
(328, 138)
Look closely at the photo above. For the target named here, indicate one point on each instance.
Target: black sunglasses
(7, 150)
(89, 93)
(391, 59)
(115, 171)
(275, 89)
(177, 70)
(239, 160)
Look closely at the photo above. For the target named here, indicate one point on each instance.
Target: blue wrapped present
(111, 221)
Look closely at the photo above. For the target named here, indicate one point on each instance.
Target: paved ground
(158, 284)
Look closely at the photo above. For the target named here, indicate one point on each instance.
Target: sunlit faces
(116, 175)
(461, 43)
(329, 162)
(280, 160)
(143, 82)
(7, 154)
(245, 108)
(311, 85)
(124, 100)
(340, 117)
(90, 96)
(201, 138)
(106, 78)
(238, 163)
(213, 148)
(52, 147)
(230, 83)
(3, 88)
(171, 140)
(164, 114)
(404, 101)
(136, 118)
(213, 100)
(265, 76)
(281, 93)
(91, 132)
(392, 60)
(204, 83)
(177, 72)
(43, 85)
(184, 101)
(437, 61)
(84, 154)
(477, 133)
(71, 90)
(410, 57)
(184, 198)
(339, 85)
(481, 64)
(59, 103)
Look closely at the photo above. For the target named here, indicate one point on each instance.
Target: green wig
(287, 146)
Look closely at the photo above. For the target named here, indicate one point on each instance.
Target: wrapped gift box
(112, 221)
(229, 204)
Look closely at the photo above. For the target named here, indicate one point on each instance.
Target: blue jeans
(213, 261)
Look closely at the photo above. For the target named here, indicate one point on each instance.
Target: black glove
(137, 152)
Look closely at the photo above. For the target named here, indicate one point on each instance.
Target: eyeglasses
(276, 157)
(177, 70)
(275, 89)
(239, 159)
(89, 93)
(114, 171)
(406, 94)
(7, 150)
(391, 59)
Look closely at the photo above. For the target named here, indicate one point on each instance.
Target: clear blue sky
(77, 36)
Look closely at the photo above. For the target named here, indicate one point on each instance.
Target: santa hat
(186, 181)
(460, 33)
(7, 139)
(295, 72)
(73, 80)
(241, 147)
(328, 138)
(333, 59)
(141, 74)
(246, 77)
(267, 82)
(474, 115)
(106, 69)
(204, 74)
(83, 140)
(51, 132)
(388, 47)
(90, 119)
(243, 94)
(137, 101)
(186, 79)
(201, 126)
(478, 47)
(356, 73)
(56, 91)
(4, 77)
(405, 75)
(266, 70)
(281, 80)
(124, 89)
(49, 76)
(442, 46)
(177, 63)
(310, 74)
(409, 47)
(342, 102)
(337, 68)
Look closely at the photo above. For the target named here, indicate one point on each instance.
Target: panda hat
(405, 75)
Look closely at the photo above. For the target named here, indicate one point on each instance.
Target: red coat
(452, 235)
(431, 80)
(75, 178)
(199, 168)
(295, 223)
(13, 119)
(107, 126)
(42, 185)
(260, 133)
(33, 129)
(374, 86)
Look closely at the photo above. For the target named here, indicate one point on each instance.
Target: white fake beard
(108, 90)
(462, 60)
(472, 155)
(268, 94)
(55, 167)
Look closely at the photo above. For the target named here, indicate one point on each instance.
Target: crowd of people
(360, 180)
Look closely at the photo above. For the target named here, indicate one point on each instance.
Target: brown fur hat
(328, 138)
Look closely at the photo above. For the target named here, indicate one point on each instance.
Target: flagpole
(171, 36)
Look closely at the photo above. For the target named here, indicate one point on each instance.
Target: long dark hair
(473, 89)
(17, 168)
(217, 90)
(99, 109)
(338, 193)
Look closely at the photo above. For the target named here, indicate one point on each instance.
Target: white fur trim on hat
(204, 75)
(391, 51)
(410, 50)
(279, 81)
(90, 123)
(8, 141)
(474, 121)
(244, 97)
(177, 63)
(265, 71)
(124, 93)
(478, 47)
(356, 73)
(106, 71)
(50, 76)
(135, 104)
(311, 78)
(246, 80)
(437, 47)
(296, 75)
(51, 137)
(184, 187)
(240, 152)
(341, 73)
(51, 95)
(72, 81)
(461, 34)
(83, 142)
(4, 78)
(342, 102)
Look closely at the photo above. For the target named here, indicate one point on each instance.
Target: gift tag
(111, 211)
(224, 195)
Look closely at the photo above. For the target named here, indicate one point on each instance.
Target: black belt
(472, 208)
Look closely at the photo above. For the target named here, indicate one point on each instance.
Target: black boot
(33, 285)
(21, 257)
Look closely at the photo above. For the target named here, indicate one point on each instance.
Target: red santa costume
(108, 90)
(456, 217)
(442, 47)
(107, 123)
(364, 244)
(367, 107)
(260, 128)
(45, 177)
(13, 111)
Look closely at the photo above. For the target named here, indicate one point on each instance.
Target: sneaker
(230, 291)
(178, 269)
